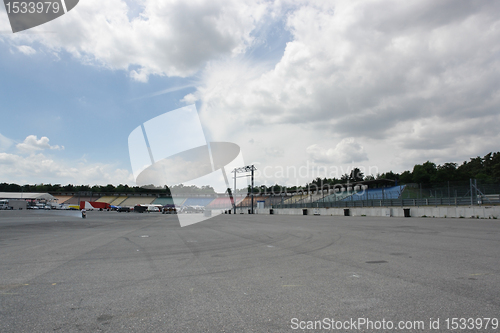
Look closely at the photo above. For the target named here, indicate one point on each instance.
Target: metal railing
(444, 194)
(389, 203)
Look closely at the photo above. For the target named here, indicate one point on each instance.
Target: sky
(305, 88)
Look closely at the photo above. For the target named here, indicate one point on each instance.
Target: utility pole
(252, 168)
(245, 169)
(234, 192)
(471, 196)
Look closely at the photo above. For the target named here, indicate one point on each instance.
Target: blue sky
(321, 85)
(79, 105)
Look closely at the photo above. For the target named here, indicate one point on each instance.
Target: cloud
(411, 80)
(407, 80)
(346, 151)
(36, 168)
(189, 99)
(174, 38)
(32, 144)
(27, 50)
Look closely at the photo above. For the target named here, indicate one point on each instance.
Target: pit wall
(486, 212)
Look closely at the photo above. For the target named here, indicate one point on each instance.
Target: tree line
(485, 169)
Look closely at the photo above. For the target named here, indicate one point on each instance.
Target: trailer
(18, 204)
(13, 204)
(94, 205)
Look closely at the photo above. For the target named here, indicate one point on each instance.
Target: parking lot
(242, 273)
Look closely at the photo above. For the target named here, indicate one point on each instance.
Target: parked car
(140, 209)
(123, 209)
(153, 209)
(169, 210)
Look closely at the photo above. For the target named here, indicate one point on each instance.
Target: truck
(18, 204)
(10, 204)
(4, 205)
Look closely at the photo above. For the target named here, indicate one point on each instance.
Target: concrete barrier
(486, 212)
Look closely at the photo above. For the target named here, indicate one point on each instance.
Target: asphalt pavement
(130, 272)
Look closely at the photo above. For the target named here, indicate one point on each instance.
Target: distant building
(27, 196)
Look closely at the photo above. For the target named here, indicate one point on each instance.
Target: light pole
(248, 168)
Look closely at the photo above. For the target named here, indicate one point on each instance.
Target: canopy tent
(27, 196)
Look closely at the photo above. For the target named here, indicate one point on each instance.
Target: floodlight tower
(248, 168)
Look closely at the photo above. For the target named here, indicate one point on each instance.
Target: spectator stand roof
(26, 196)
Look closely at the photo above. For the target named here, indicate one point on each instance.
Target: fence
(445, 194)
(389, 202)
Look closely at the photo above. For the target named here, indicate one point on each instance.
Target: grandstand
(198, 201)
(272, 200)
(107, 199)
(336, 196)
(246, 202)
(75, 200)
(62, 198)
(220, 203)
(378, 193)
(163, 201)
(257, 198)
(295, 199)
(224, 202)
(178, 201)
(268, 201)
(311, 198)
(133, 201)
(118, 201)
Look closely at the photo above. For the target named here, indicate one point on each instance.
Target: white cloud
(27, 50)
(410, 80)
(36, 168)
(189, 99)
(168, 37)
(346, 151)
(32, 144)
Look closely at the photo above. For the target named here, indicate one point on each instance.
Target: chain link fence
(472, 193)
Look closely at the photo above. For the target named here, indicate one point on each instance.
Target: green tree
(420, 174)
(390, 175)
(446, 172)
(406, 177)
(356, 175)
